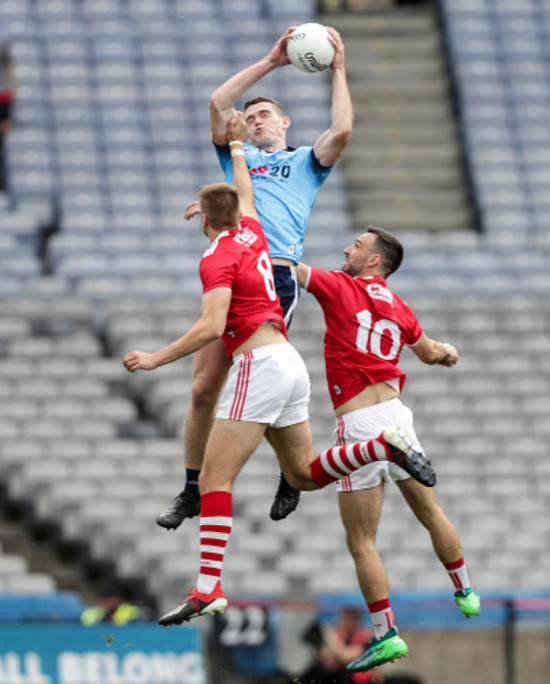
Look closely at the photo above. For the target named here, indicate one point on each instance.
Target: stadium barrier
(256, 640)
(507, 644)
(103, 654)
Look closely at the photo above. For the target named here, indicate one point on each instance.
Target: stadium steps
(403, 168)
(40, 559)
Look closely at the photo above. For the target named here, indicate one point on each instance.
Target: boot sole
(217, 606)
(414, 462)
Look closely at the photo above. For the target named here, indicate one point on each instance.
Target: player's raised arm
(236, 135)
(222, 99)
(331, 143)
(433, 352)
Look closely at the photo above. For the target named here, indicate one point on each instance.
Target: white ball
(309, 48)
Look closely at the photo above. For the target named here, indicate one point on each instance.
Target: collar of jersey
(214, 244)
(371, 277)
(270, 154)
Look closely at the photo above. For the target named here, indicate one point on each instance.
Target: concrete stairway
(403, 166)
(40, 558)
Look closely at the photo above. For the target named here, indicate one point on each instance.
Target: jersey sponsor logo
(377, 291)
(279, 172)
(245, 237)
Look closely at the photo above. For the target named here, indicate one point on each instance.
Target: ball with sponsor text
(309, 48)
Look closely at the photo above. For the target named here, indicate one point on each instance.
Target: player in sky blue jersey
(286, 182)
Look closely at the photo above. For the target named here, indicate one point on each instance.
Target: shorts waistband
(262, 352)
(284, 267)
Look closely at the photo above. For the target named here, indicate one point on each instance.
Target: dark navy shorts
(287, 288)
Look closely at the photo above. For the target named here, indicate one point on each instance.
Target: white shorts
(368, 423)
(269, 384)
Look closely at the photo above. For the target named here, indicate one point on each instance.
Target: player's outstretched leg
(388, 648)
(210, 370)
(286, 500)
(194, 605)
(391, 445)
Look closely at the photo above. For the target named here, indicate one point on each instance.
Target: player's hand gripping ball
(309, 48)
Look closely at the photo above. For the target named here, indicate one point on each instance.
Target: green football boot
(385, 650)
(468, 601)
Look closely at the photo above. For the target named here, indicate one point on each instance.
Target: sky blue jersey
(285, 186)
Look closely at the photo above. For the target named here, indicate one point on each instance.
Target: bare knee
(300, 481)
(359, 546)
(205, 391)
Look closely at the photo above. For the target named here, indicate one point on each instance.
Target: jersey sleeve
(218, 270)
(224, 155)
(319, 172)
(322, 284)
(253, 224)
(412, 328)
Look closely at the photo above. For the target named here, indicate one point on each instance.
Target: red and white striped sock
(458, 573)
(337, 462)
(382, 617)
(215, 528)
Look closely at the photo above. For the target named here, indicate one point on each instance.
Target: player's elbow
(215, 102)
(342, 135)
(215, 329)
(212, 328)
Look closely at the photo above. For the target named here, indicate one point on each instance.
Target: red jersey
(367, 327)
(239, 260)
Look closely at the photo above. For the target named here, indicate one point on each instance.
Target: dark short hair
(389, 248)
(263, 98)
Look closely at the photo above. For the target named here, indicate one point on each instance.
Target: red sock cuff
(320, 475)
(216, 504)
(377, 606)
(456, 564)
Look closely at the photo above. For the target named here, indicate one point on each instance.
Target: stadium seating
(15, 577)
(112, 142)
